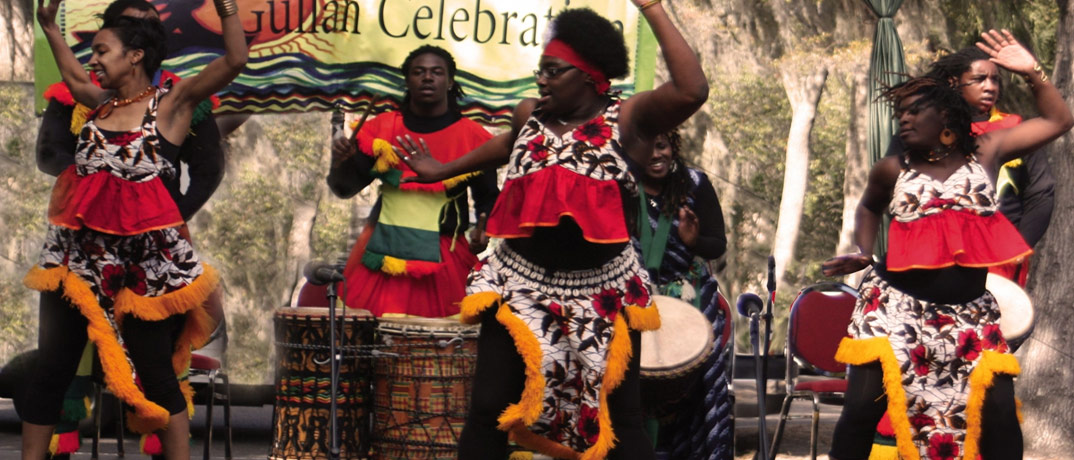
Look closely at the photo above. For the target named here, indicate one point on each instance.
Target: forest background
(782, 137)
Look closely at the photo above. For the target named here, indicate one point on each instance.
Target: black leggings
(60, 342)
(498, 382)
(1001, 435)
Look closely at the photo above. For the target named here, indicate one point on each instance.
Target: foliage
(23, 199)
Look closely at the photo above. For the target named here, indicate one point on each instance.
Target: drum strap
(653, 244)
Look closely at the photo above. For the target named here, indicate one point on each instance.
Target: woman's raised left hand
(1006, 52)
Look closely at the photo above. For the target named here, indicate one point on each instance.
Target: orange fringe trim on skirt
(146, 416)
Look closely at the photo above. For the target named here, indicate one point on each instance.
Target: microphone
(771, 274)
(321, 273)
(749, 303)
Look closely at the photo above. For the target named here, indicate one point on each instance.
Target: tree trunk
(16, 41)
(857, 166)
(1048, 357)
(804, 93)
(299, 247)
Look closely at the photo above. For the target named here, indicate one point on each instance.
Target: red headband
(560, 49)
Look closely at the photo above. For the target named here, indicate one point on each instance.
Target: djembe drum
(421, 383)
(672, 356)
(301, 427)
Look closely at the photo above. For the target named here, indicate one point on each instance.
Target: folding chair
(819, 319)
(212, 369)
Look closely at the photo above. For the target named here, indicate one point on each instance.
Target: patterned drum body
(301, 425)
(422, 377)
(672, 355)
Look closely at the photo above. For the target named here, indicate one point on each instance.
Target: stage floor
(253, 432)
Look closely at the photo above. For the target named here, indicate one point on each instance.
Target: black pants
(61, 339)
(498, 382)
(1001, 435)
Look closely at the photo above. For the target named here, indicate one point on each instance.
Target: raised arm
(72, 71)
(648, 114)
(491, 154)
(1055, 119)
(177, 109)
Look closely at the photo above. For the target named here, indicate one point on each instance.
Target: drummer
(683, 229)
(412, 258)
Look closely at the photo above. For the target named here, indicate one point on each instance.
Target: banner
(308, 55)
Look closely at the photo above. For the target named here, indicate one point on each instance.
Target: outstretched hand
(416, 155)
(846, 264)
(46, 15)
(1006, 52)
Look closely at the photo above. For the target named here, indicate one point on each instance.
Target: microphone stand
(334, 360)
(759, 378)
(762, 371)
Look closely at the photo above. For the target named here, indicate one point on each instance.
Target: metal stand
(759, 362)
(762, 363)
(333, 351)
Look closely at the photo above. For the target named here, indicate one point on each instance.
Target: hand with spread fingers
(1006, 52)
(416, 155)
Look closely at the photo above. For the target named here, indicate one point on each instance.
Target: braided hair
(942, 96)
(677, 184)
(952, 66)
(454, 92)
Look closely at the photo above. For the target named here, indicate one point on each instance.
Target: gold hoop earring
(948, 137)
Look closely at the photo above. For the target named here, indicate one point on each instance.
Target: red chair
(819, 319)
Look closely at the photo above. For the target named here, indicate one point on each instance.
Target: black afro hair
(594, 38)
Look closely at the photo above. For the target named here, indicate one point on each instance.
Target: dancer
(412, 259)
(201, 154)
(681, 228)
(925, 341)
(566, 288)
(1025, 185)
(114, 267)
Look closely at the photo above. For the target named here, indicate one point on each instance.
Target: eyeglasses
(551, 72)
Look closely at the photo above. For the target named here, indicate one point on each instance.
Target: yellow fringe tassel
(78, 118)
(863, 351)
(520, 455)
(393, 266)
(386, 157)
(882, 452)
(54, 444)
(643, 319)
(528, 408)
(473, 305)
(451, 182)
(981, 379)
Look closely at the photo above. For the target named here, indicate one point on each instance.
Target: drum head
(321, 313)
(425, 327)
(683, 340)
(1016, 310)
